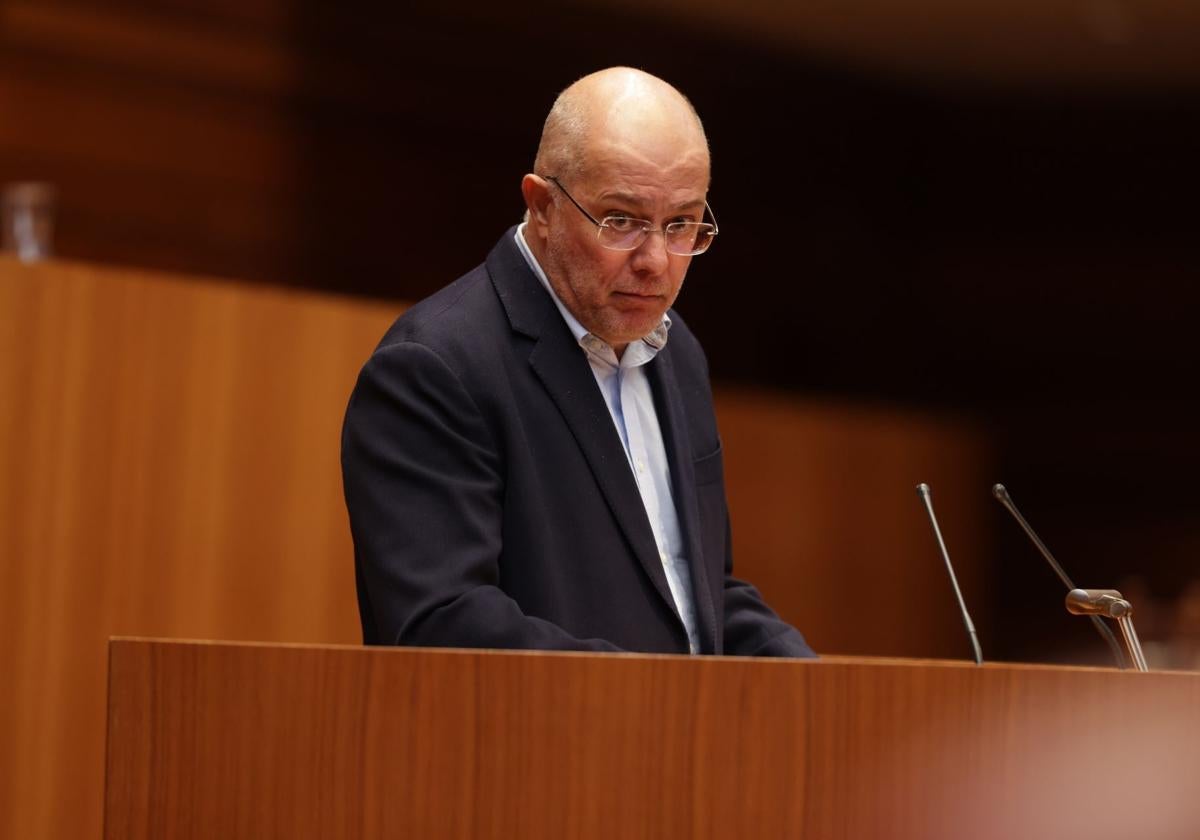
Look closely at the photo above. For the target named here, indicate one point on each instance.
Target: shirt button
(662, 555)
(641, 466)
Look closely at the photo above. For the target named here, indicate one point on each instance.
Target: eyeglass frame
(646, 231)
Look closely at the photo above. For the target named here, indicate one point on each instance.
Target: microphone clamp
(1105, 602)
(1110, 604)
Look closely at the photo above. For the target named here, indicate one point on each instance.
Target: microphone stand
(926, 496)
(1001, 494)
(1125, 622)
(1110, 604)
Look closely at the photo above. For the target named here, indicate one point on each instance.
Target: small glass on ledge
(27, 218)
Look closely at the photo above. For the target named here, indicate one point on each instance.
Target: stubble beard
(568, 271)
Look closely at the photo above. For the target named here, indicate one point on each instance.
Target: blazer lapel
(560, 363)
(673, 420)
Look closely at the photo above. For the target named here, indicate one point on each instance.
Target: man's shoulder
(468, 312)
(455, 311)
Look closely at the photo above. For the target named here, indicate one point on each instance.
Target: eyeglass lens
(683, 238)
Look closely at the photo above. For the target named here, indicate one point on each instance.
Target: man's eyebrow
(622, 197)
(639, 201)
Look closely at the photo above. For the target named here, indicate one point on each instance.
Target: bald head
(619, 108)
(621, 150)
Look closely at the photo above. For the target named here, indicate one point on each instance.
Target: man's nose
(652, 254)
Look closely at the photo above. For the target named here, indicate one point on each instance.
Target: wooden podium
(213, 740)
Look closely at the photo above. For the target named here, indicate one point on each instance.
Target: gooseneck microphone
(927, 497)
(1001, 494)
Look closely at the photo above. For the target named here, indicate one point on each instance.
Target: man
(530, 456)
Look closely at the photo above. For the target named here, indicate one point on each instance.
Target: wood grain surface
(168, 465)
(258, 741)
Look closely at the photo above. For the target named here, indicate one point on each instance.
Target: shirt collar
(638, 352)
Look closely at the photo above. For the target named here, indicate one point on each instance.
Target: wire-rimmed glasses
(623, 233)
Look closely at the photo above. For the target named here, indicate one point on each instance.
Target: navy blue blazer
(491, 501)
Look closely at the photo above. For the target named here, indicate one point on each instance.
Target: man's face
(622, 296)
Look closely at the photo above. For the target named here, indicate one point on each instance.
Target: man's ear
(536, 191)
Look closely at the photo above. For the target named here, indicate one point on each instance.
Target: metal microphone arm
(1001, 494)
(925, 493)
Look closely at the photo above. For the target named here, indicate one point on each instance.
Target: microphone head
(923, 489)
(999, 492)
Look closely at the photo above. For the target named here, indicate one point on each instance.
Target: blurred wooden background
(963, 210)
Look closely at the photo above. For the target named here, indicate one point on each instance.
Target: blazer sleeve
(424, 482)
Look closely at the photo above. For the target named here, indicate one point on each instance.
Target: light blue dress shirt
(627, 393)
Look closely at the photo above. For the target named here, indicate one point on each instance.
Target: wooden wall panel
(169, 454)
(169, 466)
(828, 524)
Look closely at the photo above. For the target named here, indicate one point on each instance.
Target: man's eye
(621, 224)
